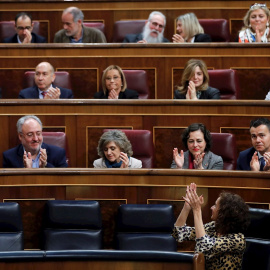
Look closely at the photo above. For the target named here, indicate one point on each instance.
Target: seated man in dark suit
(74, 31)
(257, 158)
(24, 28)
(44, 88)
(152, 31)
(32, 152)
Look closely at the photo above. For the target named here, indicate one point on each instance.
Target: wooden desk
(112, 187)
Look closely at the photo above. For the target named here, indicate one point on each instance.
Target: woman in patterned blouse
(221, 241)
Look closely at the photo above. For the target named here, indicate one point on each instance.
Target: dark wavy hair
(260, 121)
(232, 214)
(195, 127)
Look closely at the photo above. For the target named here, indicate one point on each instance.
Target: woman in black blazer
(114, 85)
(189, 30)
(194, 83)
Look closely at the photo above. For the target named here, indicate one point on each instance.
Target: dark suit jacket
(243, 161)
(56, 157)
(127, 94)
(90, 35)
(202, 38)
(32, 93)
(134, 38)
(209, 93)
(210, 161)
(35, 39)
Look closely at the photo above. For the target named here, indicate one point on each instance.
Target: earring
(267, 25)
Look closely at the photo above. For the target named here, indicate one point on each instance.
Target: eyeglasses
(112, 78)
(257, 5)
(20, 28)
(31, 135)
(155, 24)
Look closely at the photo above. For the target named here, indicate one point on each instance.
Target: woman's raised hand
(192, 197)
(179, 159)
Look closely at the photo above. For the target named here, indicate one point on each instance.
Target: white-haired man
(152, 31)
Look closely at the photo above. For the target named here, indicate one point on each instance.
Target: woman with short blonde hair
(114, 85)
(189, 30)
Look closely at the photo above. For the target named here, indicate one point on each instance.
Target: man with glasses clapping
(33, 152)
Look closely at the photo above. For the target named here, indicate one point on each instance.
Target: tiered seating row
(110, 12)
(113, 187)
(163, 63)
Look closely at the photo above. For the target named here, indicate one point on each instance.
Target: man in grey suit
(74, 31)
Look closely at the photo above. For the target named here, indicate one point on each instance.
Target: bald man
(45, 88)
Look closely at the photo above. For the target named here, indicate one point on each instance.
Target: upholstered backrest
(99, 25)
(11, 227)
(226, 80)
(218, 29)
(62, 79)
(57, 139)
(137, 80)
(224, 145)
(7, 29)
(122, 28)
(257, 253)
(72, 225)
(259, 223)
(142, 146)
(145, 227)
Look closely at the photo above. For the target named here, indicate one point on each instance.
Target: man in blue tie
(257, 158)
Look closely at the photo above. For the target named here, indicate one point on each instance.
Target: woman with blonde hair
(189, 30)
(256, 25)
(194, 82)
(114, 85)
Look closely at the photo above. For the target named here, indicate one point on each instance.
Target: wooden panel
(109, 209)
(84, 81)
(95, 265)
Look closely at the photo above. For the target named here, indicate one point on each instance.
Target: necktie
(262, 161)
(43, 94)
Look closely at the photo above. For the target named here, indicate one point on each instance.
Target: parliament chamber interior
(240, 71)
